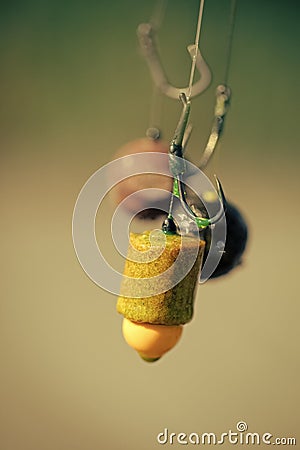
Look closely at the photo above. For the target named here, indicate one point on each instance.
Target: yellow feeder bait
(153, 325)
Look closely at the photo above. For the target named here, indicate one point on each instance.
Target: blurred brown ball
(135, 183)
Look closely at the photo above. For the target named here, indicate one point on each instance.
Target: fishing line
(228, 52)
(156, 98)
(159, 14)
(197, 38)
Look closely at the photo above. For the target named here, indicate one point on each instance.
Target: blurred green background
(73, 90)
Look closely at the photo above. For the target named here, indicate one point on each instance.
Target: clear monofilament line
(197, 38)
(159, 14)
(171, 205)
(233, 7)
(156, 98)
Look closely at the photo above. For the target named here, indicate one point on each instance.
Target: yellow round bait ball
(149, 340)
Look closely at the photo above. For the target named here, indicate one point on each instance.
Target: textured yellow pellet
(169, 306)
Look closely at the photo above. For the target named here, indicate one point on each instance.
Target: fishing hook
(223, 94)
(178, 167)
(146, 36)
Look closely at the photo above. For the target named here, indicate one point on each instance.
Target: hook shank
(222, 101)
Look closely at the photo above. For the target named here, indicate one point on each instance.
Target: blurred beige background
(74, 89)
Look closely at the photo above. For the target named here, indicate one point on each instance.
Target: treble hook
(146, 36)
(177, 168)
